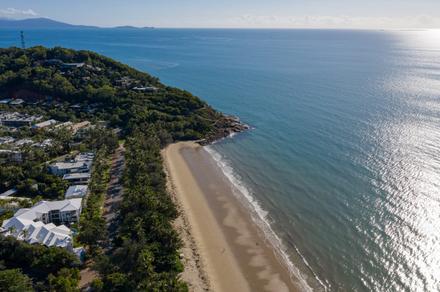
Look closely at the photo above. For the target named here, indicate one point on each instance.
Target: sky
(386, 14)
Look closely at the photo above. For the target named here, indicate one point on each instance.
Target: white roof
(76, 175)
(64, 205)
(89, 156)
(24, 142)
(48, 234)
(44, 207)
(16, 101)
(68, 165)
(5, 140)
(8, 193)
(21, 211)
(26, 219)
(16, 223)
(76, 191)
(45, 124)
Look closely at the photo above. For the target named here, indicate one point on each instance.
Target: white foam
(260, 217)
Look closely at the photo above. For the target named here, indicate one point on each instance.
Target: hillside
(119, 94)
(46, 23)
(131, 246)
(37, 23)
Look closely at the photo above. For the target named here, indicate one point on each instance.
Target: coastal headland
(224, 250)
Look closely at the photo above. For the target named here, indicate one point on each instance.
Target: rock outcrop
(224, 127)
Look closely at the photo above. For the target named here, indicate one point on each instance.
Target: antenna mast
(23, 45)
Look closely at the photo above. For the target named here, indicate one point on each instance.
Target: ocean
(343, 159)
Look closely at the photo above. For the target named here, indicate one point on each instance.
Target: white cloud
(17, 13)
(322, 21)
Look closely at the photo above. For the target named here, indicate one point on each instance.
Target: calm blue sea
(345, 151)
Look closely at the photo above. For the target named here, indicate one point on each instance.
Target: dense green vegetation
(20, 262)
(13, 280)
(92, 224)
(31, 178)
(144, 255)
(175, 113)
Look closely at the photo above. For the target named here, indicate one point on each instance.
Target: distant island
(46, 23)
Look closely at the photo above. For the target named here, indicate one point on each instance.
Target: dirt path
(114, 192)
(111, 204)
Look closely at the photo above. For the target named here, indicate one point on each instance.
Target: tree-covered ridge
(76, 86)
(119, 94)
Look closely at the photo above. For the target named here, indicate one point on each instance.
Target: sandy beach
(223, 250)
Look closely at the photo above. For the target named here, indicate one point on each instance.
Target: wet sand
(224, 249)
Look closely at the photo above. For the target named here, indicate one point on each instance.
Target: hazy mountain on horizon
(46, 23)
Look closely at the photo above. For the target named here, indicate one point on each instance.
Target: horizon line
(91, 26)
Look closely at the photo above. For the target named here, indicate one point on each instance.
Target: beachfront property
(77, 178)
(38, 232)
(76, 191)
(44, 124)
(37, 224)
(16, 120)
(57, 212)
(82, 163)
(62, 168)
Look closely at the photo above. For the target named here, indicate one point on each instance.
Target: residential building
(44, 144)
(63, 125)
(38, 232)
(76, 191)
(145, 89)
(45, 124)
(78, 126)
(72, 65)
(53, 62)
(23, 142)
(38, 224)
(84, 157)
(16, 120)
(60, 212)
(62, 168)
(77, 178)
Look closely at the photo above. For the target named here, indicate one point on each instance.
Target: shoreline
(224, 250)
